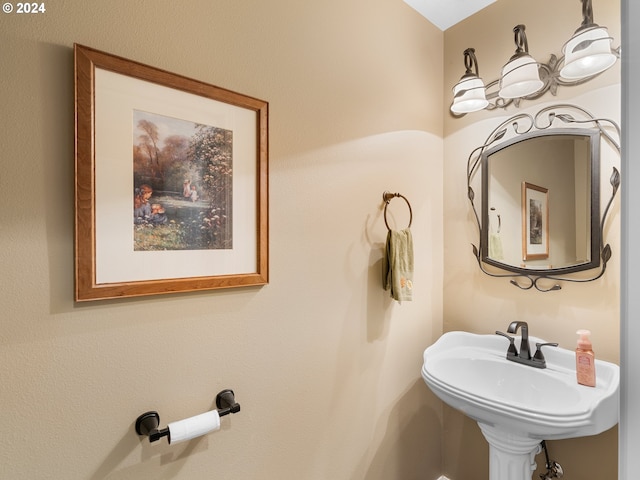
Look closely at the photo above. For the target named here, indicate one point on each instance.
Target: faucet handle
(512, 348)
(538, 356)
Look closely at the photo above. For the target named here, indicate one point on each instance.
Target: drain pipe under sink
(554, 469)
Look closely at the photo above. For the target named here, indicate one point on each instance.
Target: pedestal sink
(517, 406)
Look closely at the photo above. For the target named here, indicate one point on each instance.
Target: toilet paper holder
(147, 423)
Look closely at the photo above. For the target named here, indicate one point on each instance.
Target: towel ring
(386, 197)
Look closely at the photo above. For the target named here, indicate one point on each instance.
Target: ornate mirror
(539, 178)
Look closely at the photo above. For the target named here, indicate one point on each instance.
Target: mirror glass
(540, 202)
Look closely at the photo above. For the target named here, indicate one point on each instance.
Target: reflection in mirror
(539, 201)
(540, 187)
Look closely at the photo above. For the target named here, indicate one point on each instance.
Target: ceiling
(445, 13)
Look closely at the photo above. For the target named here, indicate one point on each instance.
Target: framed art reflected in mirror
(535, 222)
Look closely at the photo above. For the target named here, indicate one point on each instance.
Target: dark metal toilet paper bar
(147, 423)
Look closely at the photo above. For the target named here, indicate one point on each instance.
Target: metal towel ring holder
(386, 197)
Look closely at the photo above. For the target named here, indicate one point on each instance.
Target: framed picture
(535, 222)
(171, 191)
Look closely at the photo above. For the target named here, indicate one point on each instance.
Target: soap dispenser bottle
(585, 360)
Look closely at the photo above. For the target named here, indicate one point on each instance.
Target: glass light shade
(520, 77)
(469, 95)
(587, 53)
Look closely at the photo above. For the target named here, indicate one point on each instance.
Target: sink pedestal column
(511, 455)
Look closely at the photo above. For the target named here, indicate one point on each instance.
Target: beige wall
(325, 365)
(478, 303)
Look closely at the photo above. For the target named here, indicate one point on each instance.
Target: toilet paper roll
(193, 427)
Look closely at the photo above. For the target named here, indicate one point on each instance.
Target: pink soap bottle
(585, 360)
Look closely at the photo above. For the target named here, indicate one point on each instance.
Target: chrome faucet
(524, 357)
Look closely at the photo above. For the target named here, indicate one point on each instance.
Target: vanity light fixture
(587, 54)
(520, 76)
(468, 93)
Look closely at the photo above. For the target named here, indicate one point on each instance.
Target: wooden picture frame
(535, 222)
(142, 136)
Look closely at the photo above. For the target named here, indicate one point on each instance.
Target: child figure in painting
(158, 215)
(141, 207)
(186, 189)
(194, 193)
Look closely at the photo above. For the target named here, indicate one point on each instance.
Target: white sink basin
(470, 373)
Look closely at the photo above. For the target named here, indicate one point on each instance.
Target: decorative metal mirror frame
(531, 124)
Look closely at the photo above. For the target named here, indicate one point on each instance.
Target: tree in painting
(211, 149)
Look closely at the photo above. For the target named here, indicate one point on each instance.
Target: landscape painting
(183, 184)
(535, 222)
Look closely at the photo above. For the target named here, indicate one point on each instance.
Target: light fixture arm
(470, 62)
(520, 39)
(587, 14)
